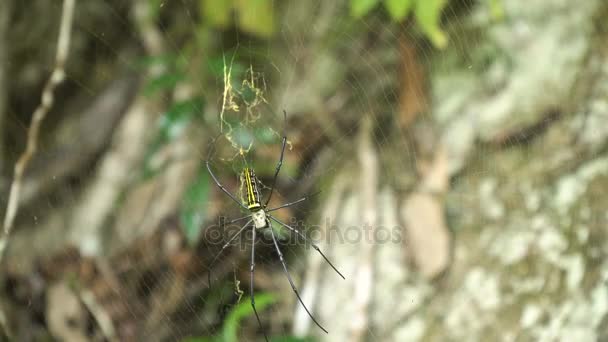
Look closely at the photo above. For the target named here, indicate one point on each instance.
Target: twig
(57, 76)
(5, 10)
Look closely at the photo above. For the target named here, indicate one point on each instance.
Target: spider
(259, 215)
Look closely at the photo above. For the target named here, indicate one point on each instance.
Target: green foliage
(154, 7)
(496, 9)
(253, 16)
(266, 135)
(150, 61)
(359, 8)
(217, 13)
(200, 339)
(241, 311)
(194, 206)
(215, 66)
(163, 82)
(398, 9)
(171, 124)
(172, 75)
(256, 16)
(292, 339)
(194, 203)
(426, 12)
(178, 116)
(233, 321)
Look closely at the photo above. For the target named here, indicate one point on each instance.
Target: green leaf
(428, 15)
(292, 339)
(243, 310)
(256, 17)
(184, 110)
(171, 124)
(359, 8)
(179, 115)
(496, 9)
(150, 61)
(199, 339)
(163, 82)
(216, 12)
(215, 65)
(154, 7)
(194, 206)
(398, 9)
(265, 135)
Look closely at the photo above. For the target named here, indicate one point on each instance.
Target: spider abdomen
(251, 185)
(260, 220)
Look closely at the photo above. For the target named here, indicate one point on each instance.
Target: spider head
(259, 219)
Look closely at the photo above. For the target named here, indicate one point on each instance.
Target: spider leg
(215, 178)
(288, 204)
(237, 219)
(251, 270)
(293, 287)
(280, 163)
(307, 240)
(224, 247)
(293, 203)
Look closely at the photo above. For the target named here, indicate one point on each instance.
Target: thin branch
(5, 11)
(57, 76)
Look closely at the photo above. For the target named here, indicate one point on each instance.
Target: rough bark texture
(522, 112)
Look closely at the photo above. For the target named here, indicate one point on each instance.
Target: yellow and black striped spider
(260, 216)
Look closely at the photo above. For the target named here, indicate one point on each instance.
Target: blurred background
(453, 154)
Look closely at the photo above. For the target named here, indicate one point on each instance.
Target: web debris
(243, 99)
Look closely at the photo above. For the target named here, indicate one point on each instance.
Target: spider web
(329, 79)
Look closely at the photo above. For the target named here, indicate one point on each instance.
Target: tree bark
(521, 114)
